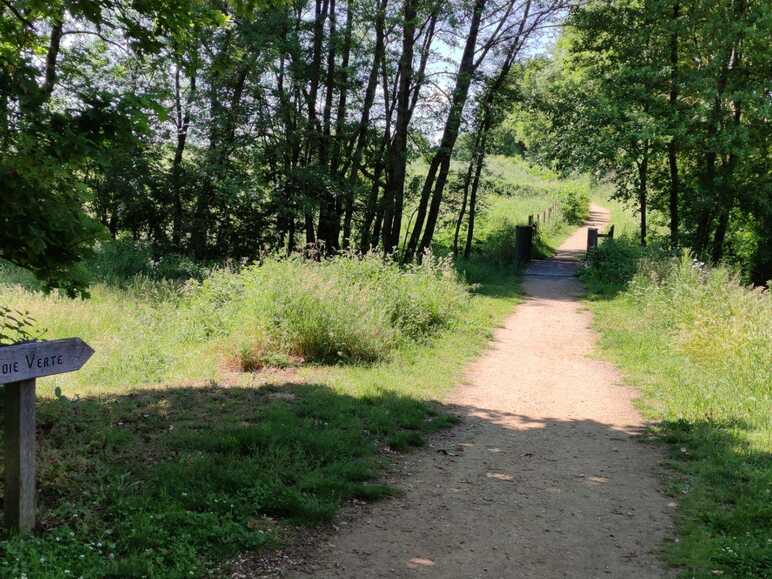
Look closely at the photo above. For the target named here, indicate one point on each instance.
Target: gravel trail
(544, 478)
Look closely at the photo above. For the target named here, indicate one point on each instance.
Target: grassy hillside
(512, 189)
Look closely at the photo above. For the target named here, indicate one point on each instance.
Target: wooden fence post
(523, 241)
(592, 238)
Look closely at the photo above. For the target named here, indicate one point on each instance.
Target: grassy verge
(166, 461)
(699, 347)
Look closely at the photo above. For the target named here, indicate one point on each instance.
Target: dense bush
(499, 244)
(338, 309)
(612, 265)
(576, 207)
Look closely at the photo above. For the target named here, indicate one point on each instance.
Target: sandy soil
(545, 478)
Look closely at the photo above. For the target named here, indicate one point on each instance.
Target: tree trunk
(720, 234)
(53, 53)
(672, 151)
(473, 198)
(397, 155)
(327, 231)
(361, 140)
(183, 123)
(449, 136)
(343, 82)
(643, 169)
(315, 73)
(462, 211)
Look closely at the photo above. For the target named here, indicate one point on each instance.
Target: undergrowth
(273, 314)
(699, 345)
(167, 456)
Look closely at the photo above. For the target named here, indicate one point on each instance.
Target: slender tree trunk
(709, 180)
(672, 152)
(343, 82)
(328, 230)
(380, 167)
(426, 47)
(324, 144)
(473, 197)
(720, 234)
(397, 156)
(183, 123)
(441, 160)
(315, 73)
(643, 169)
(361, 139)
(308, 217)
(727, 194)
(462, 211)
(53, 53)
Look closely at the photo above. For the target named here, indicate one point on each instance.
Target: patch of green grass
(698, 345)
(172, 482)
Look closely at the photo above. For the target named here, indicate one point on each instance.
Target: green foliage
(15, 326)
(697, 343)
(613, 264)
(148, 330)
(640, 92)
(118, 262)
(338, 309)
(575, 207)
(173, 480)
(50, 141)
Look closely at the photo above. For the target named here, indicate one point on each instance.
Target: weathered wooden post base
(19, 500)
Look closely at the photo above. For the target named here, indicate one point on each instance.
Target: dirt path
(545, 478)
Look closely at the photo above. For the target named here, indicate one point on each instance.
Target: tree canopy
(225, 130)
(670, 101)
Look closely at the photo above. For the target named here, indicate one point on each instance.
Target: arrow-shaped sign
(36, 359)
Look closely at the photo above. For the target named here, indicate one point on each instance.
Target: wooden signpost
(20, 365)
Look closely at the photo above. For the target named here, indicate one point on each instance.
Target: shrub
(342, 309)
(499, 245)
(119, 261)
(576, 207)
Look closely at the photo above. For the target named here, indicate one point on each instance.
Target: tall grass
(699, 345)
(343, 309)
(175, 479)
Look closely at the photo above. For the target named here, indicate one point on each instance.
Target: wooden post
(19, 499)
(592, 238)
(530, 220)
(20, 365)
(523, 241)
(610, 233)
